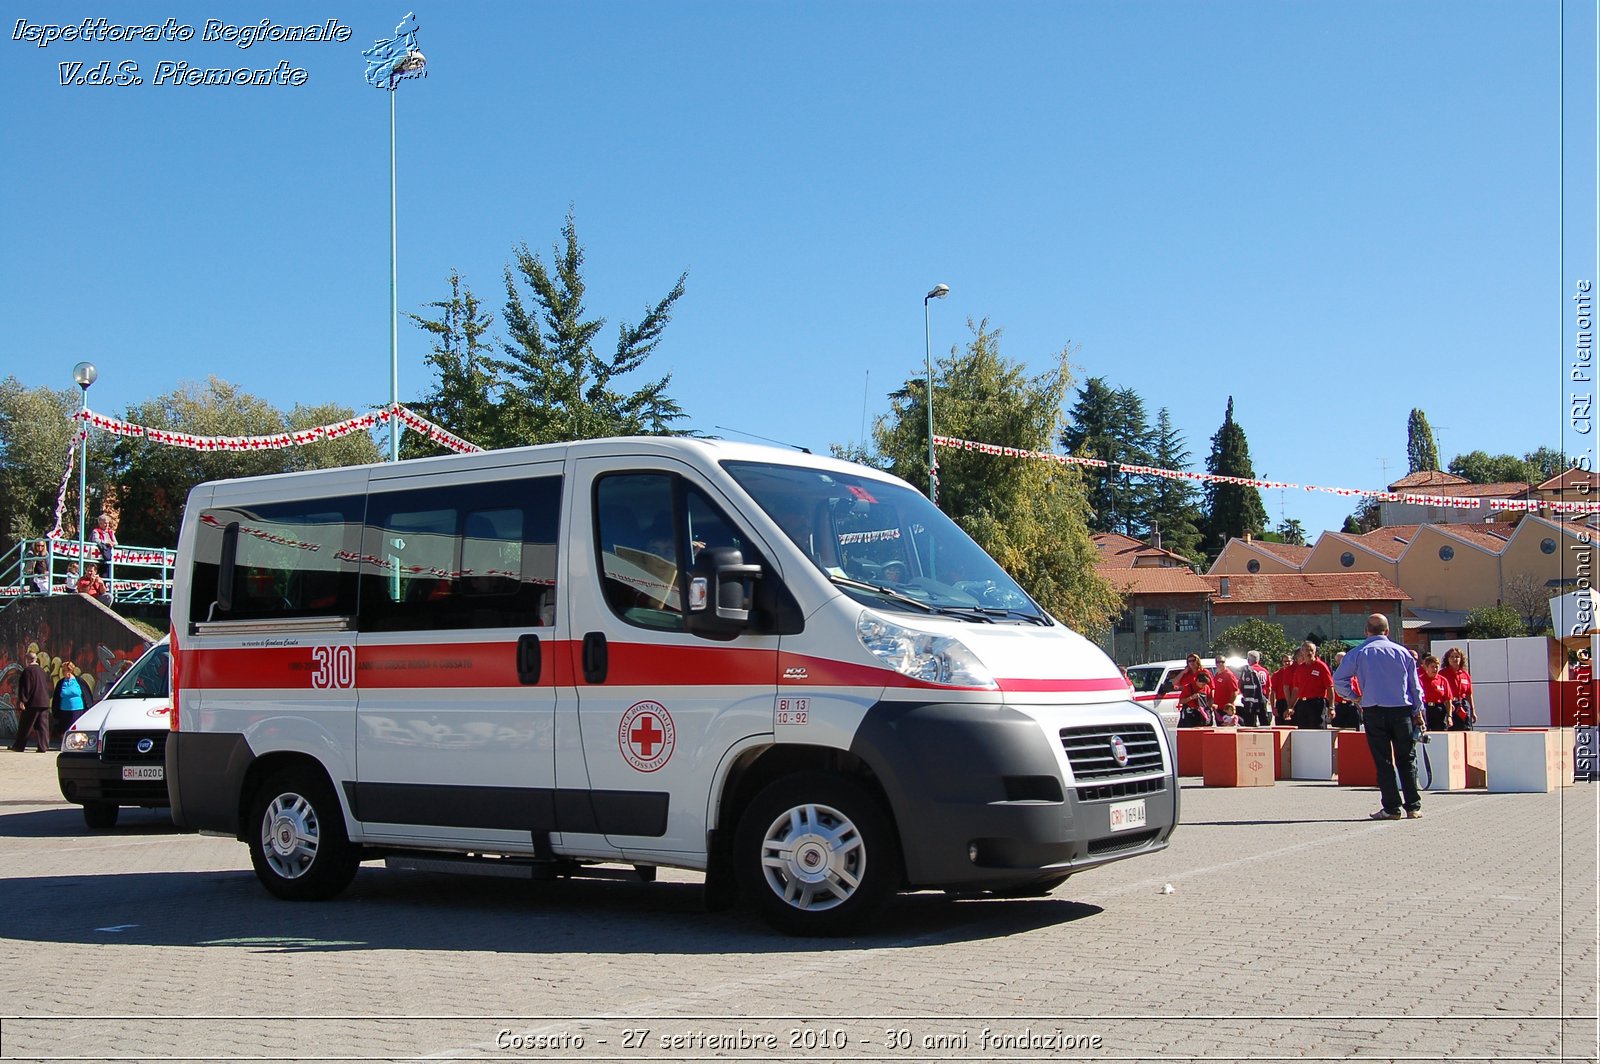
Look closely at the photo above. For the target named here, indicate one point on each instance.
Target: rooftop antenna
(766, 439)
(865, 385)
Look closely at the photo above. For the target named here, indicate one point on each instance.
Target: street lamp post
(85, 374)
(390, 62)
(939, 292)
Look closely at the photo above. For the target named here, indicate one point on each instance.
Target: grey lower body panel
(979, 799)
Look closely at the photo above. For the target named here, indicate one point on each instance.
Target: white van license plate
(144, 772)
(1127, 816)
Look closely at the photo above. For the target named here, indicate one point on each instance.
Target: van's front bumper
(983, 801)
(88, 780)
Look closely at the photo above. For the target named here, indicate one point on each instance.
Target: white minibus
(790, 672)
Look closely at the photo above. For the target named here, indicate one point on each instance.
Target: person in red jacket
(1194, 694)
(1280, 690)
(1310, 687)
(1463, 714)
(1437, 694)
(1224, 687)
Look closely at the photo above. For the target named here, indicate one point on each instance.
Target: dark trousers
(1308, 713)
(31, 723)
(1394, 753)
(1256, 716)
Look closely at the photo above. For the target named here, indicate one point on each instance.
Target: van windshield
(884, 544)
(147, 678)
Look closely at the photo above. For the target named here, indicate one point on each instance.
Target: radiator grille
(1091, 751)
(1125, 789)
(124, 746)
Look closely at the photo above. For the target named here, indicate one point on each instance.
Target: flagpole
(394, 297)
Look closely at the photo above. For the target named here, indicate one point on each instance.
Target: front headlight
(80, 742)
(921, 656)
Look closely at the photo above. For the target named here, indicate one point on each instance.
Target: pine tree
(1173, 510)
(1231, 509)
(464, 400)
(1111, 425)
(1421, 451)
(553, 384)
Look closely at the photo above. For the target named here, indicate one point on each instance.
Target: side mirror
(721, 586)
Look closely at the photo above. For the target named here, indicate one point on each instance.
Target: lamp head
(939, 292)
(85, 374)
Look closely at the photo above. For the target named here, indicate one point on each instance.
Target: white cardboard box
(1493, 701)
(1518, 762)
(1533, 658)
(1486, 660)
(1528, 702)
(1575, 612)
(1311, 754)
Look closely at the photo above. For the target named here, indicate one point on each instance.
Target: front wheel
(298, 843)
(817, 854)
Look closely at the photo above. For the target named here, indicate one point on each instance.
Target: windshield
(884, 544)
(147, 678)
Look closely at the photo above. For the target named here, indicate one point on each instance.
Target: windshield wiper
(862, 585)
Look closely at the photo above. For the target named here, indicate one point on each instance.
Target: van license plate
(150, 772)
(1127, 816)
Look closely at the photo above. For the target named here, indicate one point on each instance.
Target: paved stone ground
(1296, 930)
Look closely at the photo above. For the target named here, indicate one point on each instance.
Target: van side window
(650, 526)
(461, 556)
(290, 560)
(637, 544)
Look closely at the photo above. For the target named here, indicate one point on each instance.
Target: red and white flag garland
(66, 478)
(278, 441)
(1455, 501)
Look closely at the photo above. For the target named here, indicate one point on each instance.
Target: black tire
(836, 859)
(298, 843)
(100, 816)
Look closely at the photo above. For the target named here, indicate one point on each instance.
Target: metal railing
(134, 574)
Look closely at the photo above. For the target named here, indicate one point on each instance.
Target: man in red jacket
(33, 706)
(1310, 687)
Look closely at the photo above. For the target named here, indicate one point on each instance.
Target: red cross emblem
(646, 736)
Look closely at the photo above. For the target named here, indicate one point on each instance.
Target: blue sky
(1333, 212)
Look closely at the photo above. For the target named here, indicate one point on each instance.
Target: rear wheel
(298, 843)
(817, 854)
(100, 816)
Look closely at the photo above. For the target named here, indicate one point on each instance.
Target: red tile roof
(1308, 587)
(1289, 552)
(1117, 551)
(1389, 541)
(1155, 581)
(1506, 489)
(1570, 479)
(1427, 478)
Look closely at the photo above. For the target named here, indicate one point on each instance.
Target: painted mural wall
(64, 628)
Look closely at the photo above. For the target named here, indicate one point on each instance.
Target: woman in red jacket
(1437, 694)
(1194, 694)
(1463, 714)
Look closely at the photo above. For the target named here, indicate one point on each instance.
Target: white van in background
(790, 672)
(115, 752)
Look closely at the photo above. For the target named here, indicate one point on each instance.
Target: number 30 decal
(335, 667)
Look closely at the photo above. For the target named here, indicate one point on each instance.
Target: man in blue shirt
(1391, 708)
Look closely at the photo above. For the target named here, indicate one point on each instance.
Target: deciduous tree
(35, 435)
(1030, 515)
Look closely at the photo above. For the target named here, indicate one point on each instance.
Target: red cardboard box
(1354, 762)
(1573, 702)
(1239, 758)
(1191, 750)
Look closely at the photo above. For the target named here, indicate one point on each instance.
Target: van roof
(708, 450)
